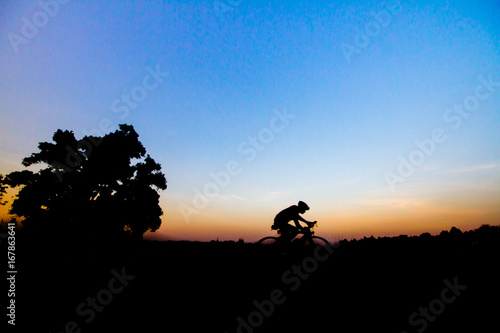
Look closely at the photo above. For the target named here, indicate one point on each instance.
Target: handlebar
(311, 226)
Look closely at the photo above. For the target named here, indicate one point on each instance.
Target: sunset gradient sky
(383, 116)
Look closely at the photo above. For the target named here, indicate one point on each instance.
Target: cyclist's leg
(294, 231)
(288, 232)
(306, 236)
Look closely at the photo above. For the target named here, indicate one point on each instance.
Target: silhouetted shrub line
(104, 297)
(292, 279)
(436, 306)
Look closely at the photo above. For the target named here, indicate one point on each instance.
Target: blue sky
(228, 73)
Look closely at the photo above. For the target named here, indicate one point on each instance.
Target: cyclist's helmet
(303, 206)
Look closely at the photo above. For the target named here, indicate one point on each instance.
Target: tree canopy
(91, 188)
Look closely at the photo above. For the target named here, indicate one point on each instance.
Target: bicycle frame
(307, 236)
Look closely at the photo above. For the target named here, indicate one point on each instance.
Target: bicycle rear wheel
(270, 240)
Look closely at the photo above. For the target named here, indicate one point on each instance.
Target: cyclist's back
(286, 215)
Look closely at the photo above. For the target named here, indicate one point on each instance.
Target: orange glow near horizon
(378, 214)
(352, 215)
(389, 218)
(346, 224)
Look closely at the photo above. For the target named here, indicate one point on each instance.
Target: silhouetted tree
(90, 187)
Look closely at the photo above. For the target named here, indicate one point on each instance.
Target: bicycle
(307, 238)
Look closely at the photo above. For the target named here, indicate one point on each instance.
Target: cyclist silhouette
(292, 213)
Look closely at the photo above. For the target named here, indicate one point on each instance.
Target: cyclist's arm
(302, 219)
(305, 221)
(298, 225)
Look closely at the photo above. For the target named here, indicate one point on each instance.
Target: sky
(382, 116)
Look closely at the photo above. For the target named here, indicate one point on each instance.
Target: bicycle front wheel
(320, 241)
(270, 240)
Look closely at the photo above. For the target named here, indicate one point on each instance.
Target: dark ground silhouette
(371, 284)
